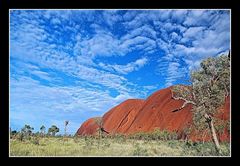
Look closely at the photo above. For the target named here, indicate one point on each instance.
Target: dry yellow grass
(110, 147)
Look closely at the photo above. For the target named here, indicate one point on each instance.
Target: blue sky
(76, 64)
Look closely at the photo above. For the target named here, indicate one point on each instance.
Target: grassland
(73, 146)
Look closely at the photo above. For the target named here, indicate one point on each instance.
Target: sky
(77, 64)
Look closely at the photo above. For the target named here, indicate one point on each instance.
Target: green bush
(157, 134)
(20, 136)
(139, 151)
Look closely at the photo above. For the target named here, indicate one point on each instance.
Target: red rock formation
(89, 127)
(157, 113)
(120, 118)
(135, 115)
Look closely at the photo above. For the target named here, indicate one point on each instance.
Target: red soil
(135, 115)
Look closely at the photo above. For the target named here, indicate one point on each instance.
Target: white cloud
(111, 17)
(101, 44)
(150, 87)
(193, 33)
(175, 37)
(175, 73)
(31, 41)
(145, 30)
(42, 75)
(105, 44)
(125, 69)
(57, 103)
(201, 37)
(197, 17)
(55, 21)
(130, 15)
(179, 15)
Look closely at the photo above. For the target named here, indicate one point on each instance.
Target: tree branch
(184, 104)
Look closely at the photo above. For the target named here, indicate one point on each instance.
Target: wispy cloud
(196, 37)
(125, 69)
(31, 100)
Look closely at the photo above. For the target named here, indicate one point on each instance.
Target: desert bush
(118, 137)
(157, 134)
(139, 136)
(88, 141)
(76, 139)
(20, 136)
(106, 143)
(204, 149)
(35, 141)
(139, 151)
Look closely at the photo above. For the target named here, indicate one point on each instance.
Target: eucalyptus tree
(53, 130)
(210, 85)
(43, 130)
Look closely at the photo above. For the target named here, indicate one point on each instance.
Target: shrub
(157, 134)
(139, 151)
(20, 136)
(35, 141)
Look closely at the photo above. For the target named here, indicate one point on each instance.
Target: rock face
(135, 115)
(89, 127)
(157, 113)
(120, 118)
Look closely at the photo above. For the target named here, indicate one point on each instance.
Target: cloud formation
(125, 69)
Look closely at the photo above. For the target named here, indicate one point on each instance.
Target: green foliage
(220, 127)
(120, 138)
(139, 151)
(139, 136)
(182, 91)
(53, 130)
(210, 85)
(157, 134)
(43, 130)
(27, 130)
(20, 136)
(13, 134)
(204, 149)
(163, 135)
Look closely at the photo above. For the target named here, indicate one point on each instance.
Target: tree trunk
(65, 130)
(213, 133)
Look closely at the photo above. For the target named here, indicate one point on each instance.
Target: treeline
(27, 132)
